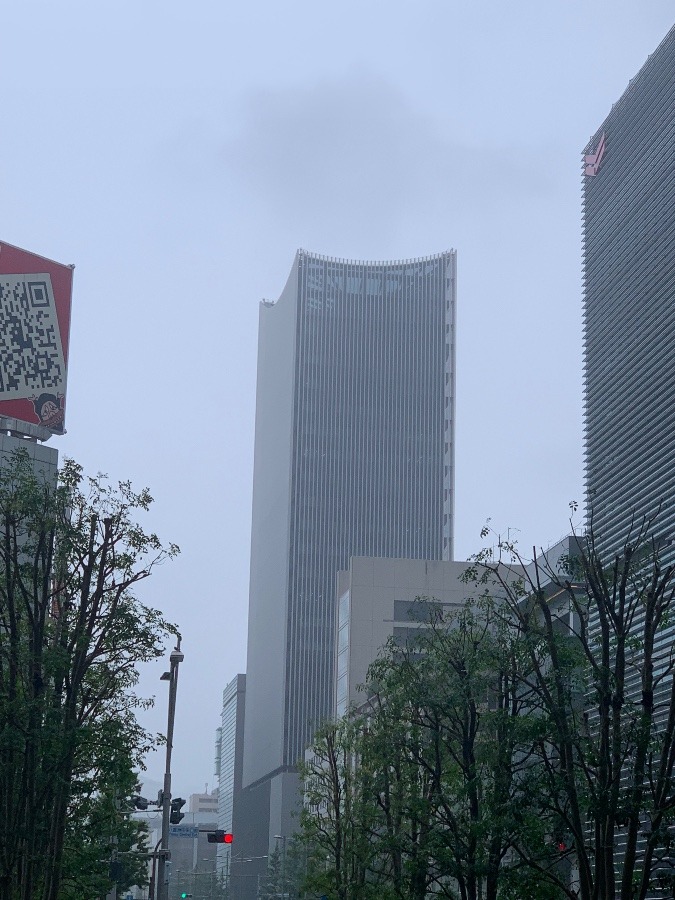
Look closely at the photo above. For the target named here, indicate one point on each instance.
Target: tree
(423, 791)
(402, 761)
(523, 747)
(598, 635)
(72, 633)
(340, 816)
(466, 784)
(99, 827)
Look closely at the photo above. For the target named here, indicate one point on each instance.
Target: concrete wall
(45, 459)
(378, 591)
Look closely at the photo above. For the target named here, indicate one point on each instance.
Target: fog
(180, 154)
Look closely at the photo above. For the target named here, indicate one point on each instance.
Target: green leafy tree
(287, 871)
(99, 827)
(401, 759)
(72, 633)
(521, 748)
(598, 635)
(274, 883)
(466, 774)
(428, 789)
(340, 814)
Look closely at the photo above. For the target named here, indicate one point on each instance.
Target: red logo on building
(593, 160)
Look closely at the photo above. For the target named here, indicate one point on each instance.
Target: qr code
(31, 354)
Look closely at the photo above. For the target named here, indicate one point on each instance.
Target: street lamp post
(171, 676)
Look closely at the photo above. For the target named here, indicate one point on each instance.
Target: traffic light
(220, 837)
(184, 895)
(560, 843)
(176, 815)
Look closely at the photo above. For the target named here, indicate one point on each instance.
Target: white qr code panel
(31, 354)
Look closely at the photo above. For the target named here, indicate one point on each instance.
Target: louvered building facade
(629, 305)
(354, 455)
(629, 342)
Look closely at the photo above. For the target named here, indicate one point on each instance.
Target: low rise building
(376, 602)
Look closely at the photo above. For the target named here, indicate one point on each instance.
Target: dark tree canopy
(598, 632)
(72, 633)
(522, 748)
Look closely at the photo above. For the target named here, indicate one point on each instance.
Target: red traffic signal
(220, 837)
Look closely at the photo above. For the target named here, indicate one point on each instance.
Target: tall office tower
(229, 749)
(629, 329)
(629, 304)
(353, 457)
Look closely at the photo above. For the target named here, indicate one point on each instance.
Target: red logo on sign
(593, 160)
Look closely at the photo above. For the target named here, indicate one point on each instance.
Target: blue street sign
(184, 831)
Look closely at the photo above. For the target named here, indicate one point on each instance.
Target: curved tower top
(354, 456)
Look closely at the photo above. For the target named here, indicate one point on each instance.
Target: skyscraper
(229, 748)
(629, 305)
(629, 336)
(354, 452)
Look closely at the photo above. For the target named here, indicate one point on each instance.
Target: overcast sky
(179, 154)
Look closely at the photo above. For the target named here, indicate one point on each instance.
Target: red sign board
(35, 298)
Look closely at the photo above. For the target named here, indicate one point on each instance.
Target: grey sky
(179, 154)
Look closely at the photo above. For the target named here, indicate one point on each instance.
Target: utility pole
(171, 676)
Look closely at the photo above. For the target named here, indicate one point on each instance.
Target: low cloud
(358, 154)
